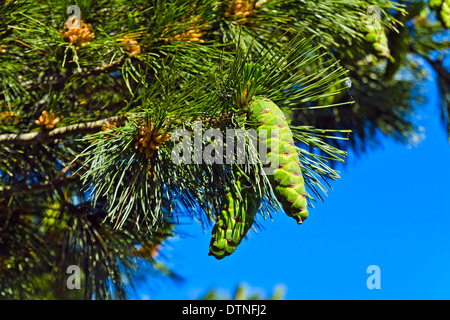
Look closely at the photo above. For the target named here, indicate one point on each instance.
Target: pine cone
(241, 8)
(8, 116)
(108, 125)
(235, 219)
(377, 36)
(149, 141)
(287, 179)
(132, 46)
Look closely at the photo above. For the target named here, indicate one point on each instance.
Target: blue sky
(390, 208)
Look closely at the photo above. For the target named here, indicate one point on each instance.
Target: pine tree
(115, 118)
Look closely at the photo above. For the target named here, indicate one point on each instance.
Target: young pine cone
(131, 46)
(47, 120)
(109, 124)
(8, 116)
(79, 37)
(241, 7)
(194, 33)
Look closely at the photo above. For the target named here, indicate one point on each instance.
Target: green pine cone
(287, 179)
(376, 35)
(236, 218)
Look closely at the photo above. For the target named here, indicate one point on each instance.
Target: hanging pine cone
(47, 120)
(287, 179)
(235, 219)
(2, 50)
(149, 140)
(79, 37)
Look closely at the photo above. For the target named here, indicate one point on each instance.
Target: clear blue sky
(390, 208)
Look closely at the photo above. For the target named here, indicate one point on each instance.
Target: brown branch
(58, 133)
(102, 69)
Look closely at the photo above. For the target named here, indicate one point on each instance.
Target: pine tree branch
(60, 180)
(58, 80)
(437, 66)
(44, 137)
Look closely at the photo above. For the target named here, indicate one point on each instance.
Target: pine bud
(287, 179)
(48, 120)
(149, 140)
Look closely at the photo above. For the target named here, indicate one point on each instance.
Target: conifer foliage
(115, 117)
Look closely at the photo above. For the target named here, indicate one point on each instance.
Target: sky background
(391, 208)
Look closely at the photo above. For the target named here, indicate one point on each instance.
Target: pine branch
(58, 80)
(44, 137)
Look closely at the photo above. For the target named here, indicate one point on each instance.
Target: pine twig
(44, 137)
(102, 69)
(60, 180)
